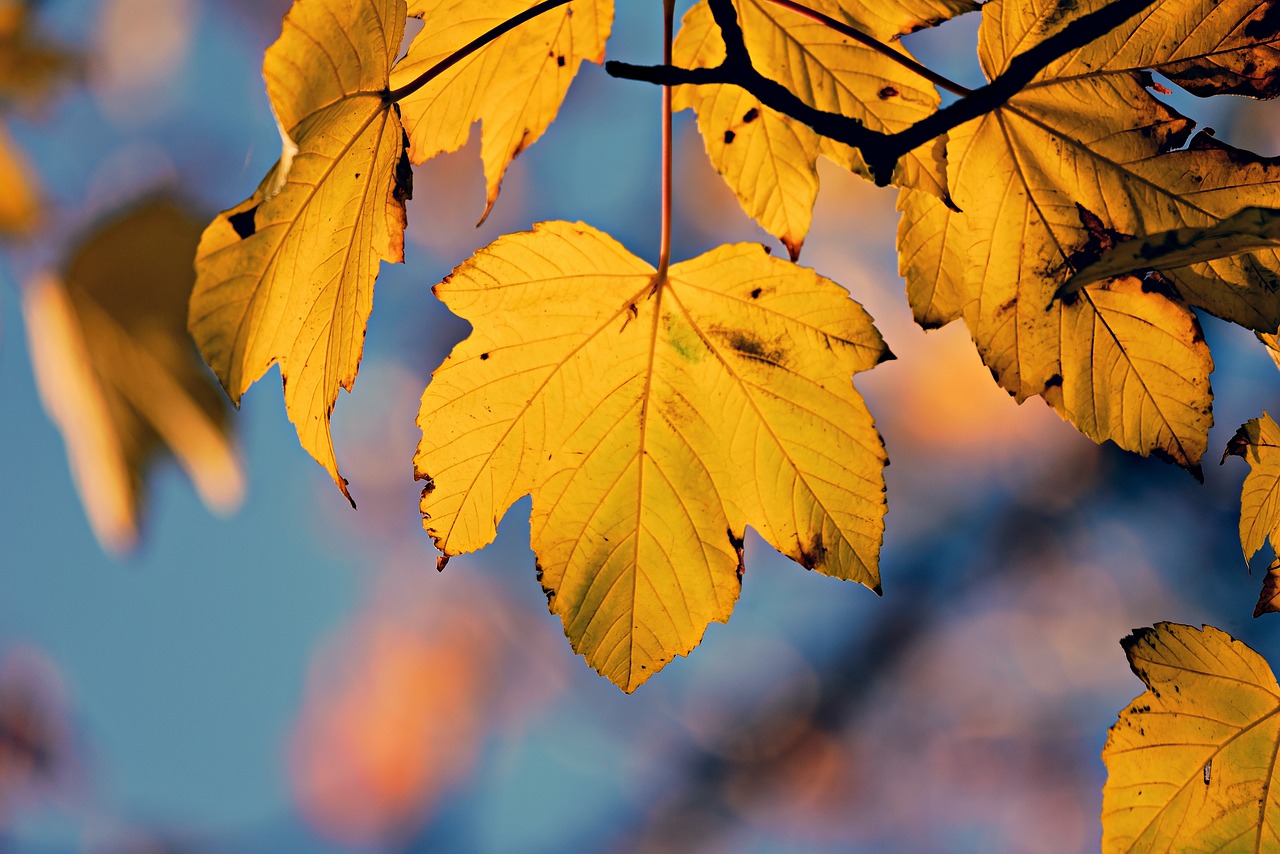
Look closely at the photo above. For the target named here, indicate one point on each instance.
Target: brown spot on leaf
(814, 554)
(750, 116)
(484, 357)
(560, 61)
(755, 292)
(887, 92)
(729, 137)
(746, 343)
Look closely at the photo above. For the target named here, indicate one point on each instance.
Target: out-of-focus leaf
(514, 85)
(287, 275)
(29, 65)
(393, 720)
(652, 420)
(36, 744)
(19, 207)
(117, 371)
(770, 160)
(1078, 161)
(1191, 763)
(1245, 231)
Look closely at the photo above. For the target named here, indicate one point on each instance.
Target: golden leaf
(287, 275)
(117, 371)
(770, 160)
(652, 421)
(514, 85)
(1258, 443)
(1077, 162)
(1191, 763)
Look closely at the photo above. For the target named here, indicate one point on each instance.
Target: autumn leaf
(651, 421)
(117, 371)
(19, 207)
(1258, 443)
(514, 85)
(1081, 159)
(1191, 763)
(770, 160)
(30, 67)
(287, 275)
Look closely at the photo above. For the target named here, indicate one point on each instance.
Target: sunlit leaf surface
(1081, 159)
(652, 421)
(514, 85)
(1258, 442)
(287, 275)
(770, 160)
(117, 371)
(1191, 763)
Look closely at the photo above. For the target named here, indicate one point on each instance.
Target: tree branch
(881, 151)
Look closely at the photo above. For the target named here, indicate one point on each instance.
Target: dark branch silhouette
(881, 151)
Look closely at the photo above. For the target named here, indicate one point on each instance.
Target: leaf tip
(442, 562)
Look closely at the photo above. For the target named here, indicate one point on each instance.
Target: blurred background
(295, 676)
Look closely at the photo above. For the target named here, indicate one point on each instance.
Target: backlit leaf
(514, 85)
(770, 160)
(287, 275)
(1191, 763)
(652, 421)
(1074, 164)
(1258, 443)
(117, 371)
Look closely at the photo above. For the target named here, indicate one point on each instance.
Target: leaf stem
(875, 44)
(664, 251)
(471, 47)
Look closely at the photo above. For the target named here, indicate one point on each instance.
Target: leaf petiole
(469, 48)
(664, 251)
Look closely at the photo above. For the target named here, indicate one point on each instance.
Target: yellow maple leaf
(1191, 763)
(770, 160)
(652, 421)
(514, 85)
(1079, 160)
(287, 275)
(117, 372)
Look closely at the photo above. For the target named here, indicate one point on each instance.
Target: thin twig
(880, 151)
(466, 50)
